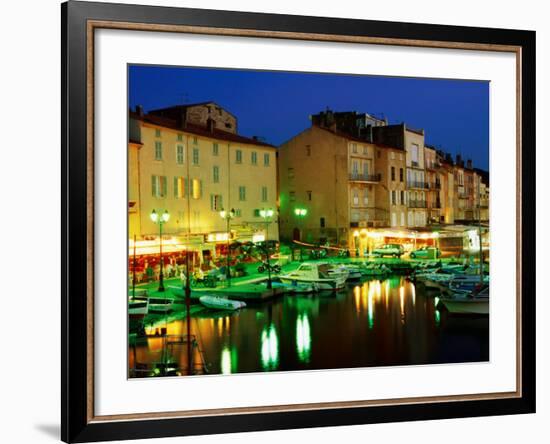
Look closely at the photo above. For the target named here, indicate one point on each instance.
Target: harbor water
(370, 323)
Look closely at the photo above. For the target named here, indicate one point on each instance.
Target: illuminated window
(179, 187)
(216, 202)
(197, 188)
(158, 186)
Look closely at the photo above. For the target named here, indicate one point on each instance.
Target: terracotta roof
(198, 130)
(356, 139)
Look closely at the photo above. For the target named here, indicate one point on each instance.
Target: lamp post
(300, 213)
(228, 215)
(160, 221)
(265, 214)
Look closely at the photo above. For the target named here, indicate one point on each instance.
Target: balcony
(433, 166)
(419, 185)
(414, 164)
(417, 204)
(435, 186)
(358, 177)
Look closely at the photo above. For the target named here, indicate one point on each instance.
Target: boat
(219, 303)
(353, 271)
(475, 302)
(138, 306)
(165, 304)
(322, 274)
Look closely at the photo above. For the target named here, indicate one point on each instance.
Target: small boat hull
(464, 306)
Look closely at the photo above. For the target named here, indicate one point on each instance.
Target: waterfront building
(193, 166)
(412, 142)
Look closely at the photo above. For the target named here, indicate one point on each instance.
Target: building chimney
(139, 110)
(469, 164)
(459, 160)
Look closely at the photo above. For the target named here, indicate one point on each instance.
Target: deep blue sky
(276, 105)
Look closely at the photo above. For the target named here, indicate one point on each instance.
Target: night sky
(277, 105)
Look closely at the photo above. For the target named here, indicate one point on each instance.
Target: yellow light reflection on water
(357, 298)
(402, 302)
(303, 338)
(270, 348)
(413, 294)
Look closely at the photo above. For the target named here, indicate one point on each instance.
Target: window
(195, 141)
(158, 186)
(308, 150)
(402, 198)
(292, 196)
(308, 195)
(215, 149)
(158, 150)
(264, 194)
(355, 168)
(180, 154)
(216, 174)
(180, 137)
(195, 156)
(256, 212)
(291, 173)
(355, 197)
(216, 202)
(365, 150)
(366, 198)
(392, 155)
(254, 158)
(242, 193)
(238, 212)
(180, 188)
(392, 172)
(238, 156)
(400, 174)
(354, 148)
(414, 154)
(322, 222)
(197, 188)
(266, 159)
(393, 197)
(157, 132)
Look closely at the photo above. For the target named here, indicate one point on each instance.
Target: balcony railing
(417, 204)
(359, 177)
(414, 163)
(415, 184)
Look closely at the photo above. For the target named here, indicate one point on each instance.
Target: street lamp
(300, 214)
(160, 221)
(266, 214)
(228, 215)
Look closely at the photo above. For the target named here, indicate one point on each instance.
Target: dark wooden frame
(79, 19)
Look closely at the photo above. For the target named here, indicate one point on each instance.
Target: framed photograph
(276, 222)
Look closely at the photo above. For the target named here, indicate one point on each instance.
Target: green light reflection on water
(269, 348)
(303, 337)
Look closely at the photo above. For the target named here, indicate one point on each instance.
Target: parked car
(426, 253)
(394, 250)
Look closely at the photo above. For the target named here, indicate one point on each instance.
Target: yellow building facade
(193, 173)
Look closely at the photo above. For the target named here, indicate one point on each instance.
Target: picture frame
(80, 20)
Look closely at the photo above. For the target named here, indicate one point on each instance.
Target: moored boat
(475, 302)
(322, 274)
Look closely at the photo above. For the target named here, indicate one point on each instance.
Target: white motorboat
(322, 274)
(138, 306)
(353, 271)
(471, 303)
(296, 287)
(219, 303)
